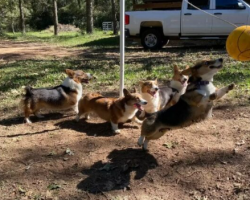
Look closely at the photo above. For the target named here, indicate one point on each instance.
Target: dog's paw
(231, 86)
(77, 118)
(140, 141)
(27, 121)
(117, 131)
(144, 147)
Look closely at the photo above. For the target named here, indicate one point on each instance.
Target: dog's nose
(185, 80)
(156, 89)
(221, 59)
(144, 102)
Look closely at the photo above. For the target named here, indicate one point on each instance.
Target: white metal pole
(122, 45)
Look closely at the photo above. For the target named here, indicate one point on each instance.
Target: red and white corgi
(114, 110)
(163, 97)
(62, 97)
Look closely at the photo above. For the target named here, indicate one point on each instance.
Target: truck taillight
(126, 19)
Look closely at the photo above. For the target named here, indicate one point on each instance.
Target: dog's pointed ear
(187, 72)
(141, 83)
(134, 90)
(126, 92)
(176, 69)
(70, 73)
(156, 80)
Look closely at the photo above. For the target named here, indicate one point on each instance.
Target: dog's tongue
(138, 106)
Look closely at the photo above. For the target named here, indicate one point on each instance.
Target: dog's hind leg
(115, 128)
(27, 113)
(140, 140)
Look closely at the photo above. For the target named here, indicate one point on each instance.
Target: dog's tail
(28, 91)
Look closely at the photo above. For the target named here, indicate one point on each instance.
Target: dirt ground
(14, 50)
(58, 158)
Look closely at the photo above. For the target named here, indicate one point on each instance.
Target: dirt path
(12, 50)
(57, 158)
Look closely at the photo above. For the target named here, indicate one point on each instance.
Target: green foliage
(39, 14)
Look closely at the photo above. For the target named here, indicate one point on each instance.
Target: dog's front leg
(222, 91)
(115, 128)
(143, 113)
(145, 145)
(136, 120)
(140, 140)
(76, 108)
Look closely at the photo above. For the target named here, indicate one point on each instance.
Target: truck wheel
(151, 39)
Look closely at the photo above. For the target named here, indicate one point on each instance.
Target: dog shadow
(102, 129)
(117, 173)
(34, 119)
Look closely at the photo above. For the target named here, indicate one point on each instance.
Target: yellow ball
(238, 43)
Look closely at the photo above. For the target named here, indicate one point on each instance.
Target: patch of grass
(14, 76)
(104, 63)
(68, 39)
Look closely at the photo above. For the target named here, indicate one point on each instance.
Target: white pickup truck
(156, 27)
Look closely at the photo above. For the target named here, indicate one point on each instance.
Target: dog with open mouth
(196, 104)
(114, 110)
(162, 97)
(62, 97)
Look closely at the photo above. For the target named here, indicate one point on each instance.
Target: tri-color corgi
(114, 110)
(62, 97)
(163, 97)
(196, 104)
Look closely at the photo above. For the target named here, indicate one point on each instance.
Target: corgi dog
(62, 97)
(114, 110)
(196, 104)
(164, 97)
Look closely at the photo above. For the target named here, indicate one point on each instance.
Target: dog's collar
(201, 83)
(198, 85)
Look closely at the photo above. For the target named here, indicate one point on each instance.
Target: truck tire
(151, 39)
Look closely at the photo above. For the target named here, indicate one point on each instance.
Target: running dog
(62, 97)
(114, 110)
(196, 104)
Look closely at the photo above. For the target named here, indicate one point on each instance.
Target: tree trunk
(114, 14)
(89, 11)
(12, 25)
(79, 3)
(55, 18)
(22, 20)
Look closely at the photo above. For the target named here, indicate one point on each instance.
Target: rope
(211, 14)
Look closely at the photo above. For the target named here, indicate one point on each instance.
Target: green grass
(68, 39)
(13, 77)
(139, 65)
